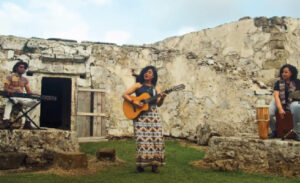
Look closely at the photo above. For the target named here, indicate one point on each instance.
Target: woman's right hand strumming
(138, 103)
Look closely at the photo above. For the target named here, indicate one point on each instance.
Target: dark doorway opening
(56, 114)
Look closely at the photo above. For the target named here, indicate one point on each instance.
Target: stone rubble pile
(37, 147)
(253, 155)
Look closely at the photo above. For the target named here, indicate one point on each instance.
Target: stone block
(11, 160)
(273, 64)
(12, 43)
(276, 44)
(70, 160)
(261, 21)
(10, 54)
(48, 57)
(58, 49)
(75, 69)
(253, 155)
(280, 53)
(278, 36)
(274, 29)
(277, 20)
(70, 50)
(63, 40)
(3, 55)
(204, 133)
(47, 51)
(85, 51)
(33, 44)
(260, 84)
(58, 68)
(63, 58)
(38, 145)
(244, 18)
(106, 154)
(78, 58)
(263, 92)
(191, 55)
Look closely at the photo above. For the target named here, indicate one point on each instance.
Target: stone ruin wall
(275, 157)
(39, 146)
(227, 70)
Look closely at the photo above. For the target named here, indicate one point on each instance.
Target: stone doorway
(56, 114)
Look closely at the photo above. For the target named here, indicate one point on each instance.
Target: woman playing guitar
(147, 126)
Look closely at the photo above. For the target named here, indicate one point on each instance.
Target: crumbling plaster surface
(227, 70)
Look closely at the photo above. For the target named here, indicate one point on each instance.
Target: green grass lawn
(177, 169)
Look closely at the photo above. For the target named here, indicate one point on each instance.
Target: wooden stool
(285, 125)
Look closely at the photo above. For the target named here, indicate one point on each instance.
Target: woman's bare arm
(130, 91)
(278, 104)
(160, 99)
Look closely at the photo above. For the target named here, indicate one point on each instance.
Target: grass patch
(177, 169)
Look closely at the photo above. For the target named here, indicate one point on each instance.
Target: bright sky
(129, 21)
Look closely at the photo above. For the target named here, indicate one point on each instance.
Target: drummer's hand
(281, 113)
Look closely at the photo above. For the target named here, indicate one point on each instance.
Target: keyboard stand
(25, 114)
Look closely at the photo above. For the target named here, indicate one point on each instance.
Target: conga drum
(263, 120)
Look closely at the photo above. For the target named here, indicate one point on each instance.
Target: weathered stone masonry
(226, 70)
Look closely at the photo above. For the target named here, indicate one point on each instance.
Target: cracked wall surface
(227, 71)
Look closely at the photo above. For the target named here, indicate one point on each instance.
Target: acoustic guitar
(132, 111)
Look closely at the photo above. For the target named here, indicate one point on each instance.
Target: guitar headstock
(176, 88)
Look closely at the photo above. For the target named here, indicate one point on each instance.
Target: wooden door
(90, 113)
(99, 128)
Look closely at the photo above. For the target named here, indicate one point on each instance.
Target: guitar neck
(152, 99)
(176, 88)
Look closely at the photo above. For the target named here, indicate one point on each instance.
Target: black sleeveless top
(146, 89)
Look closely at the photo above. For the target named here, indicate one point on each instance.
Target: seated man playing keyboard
(17, 83)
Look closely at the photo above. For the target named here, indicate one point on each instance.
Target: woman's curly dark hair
(293, 70)
(140, 77)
